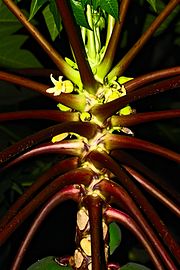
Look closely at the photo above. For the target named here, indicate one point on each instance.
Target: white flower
(60, 86)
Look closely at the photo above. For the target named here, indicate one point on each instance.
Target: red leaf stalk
(68, 193)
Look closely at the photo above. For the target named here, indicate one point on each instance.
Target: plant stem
(68, 193)
(94, 206)
(108, 58)
(76, 102)
(102, 112)
(69, 147)
(91, 45)
(76, 176)
(115, 215)
(54, 115)
(89, 83)
(119, 196)
(123, 64)
(112, 142)
(139, 118)
(58, 169)
(69, 72)
(154, 191)
(110, 27)
(126, 159)
(85, 129)
(102, 160)
(142, 80)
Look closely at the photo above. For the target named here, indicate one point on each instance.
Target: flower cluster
(60, 86)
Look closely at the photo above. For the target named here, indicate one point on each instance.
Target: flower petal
(57, 92)
(50, 90)
(54, 81)
(68, 86)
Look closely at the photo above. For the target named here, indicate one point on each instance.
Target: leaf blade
(51, 25)
(79, 13)
(35, 6)
(48, 263)
(13, 56)
(134, 266)
(115, 237)
(111, 7)
(153, 4)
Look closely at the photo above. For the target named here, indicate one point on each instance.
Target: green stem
(90, 35)
(89, 83)
(123, 64)
(108, 58)
(69, 72)
(83, 34)
(110, 27)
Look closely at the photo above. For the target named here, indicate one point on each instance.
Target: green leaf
(4, 185)
(35, 6)
(56, 16)
(51, 25)
(6, 14)
(8, 22)
(85, 2)
(111, 7)
(115, 236)
(79, 13)
(163, 27)
(134, 266)
(177, 41)
(93, 3)
(48, 263)
(138, 255)
(96, 3)
(173, 16)
(12, 56)
(11, 96)
(153, 4)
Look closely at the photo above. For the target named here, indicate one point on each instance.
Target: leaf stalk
(123, 64)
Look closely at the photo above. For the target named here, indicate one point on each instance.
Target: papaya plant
(93, 150)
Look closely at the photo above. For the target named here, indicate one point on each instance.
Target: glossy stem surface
(114, 215)
(59, 168)
(68, 193)
(76, 176)
(94, 206)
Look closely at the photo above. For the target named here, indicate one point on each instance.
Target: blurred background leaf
(48, 263)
